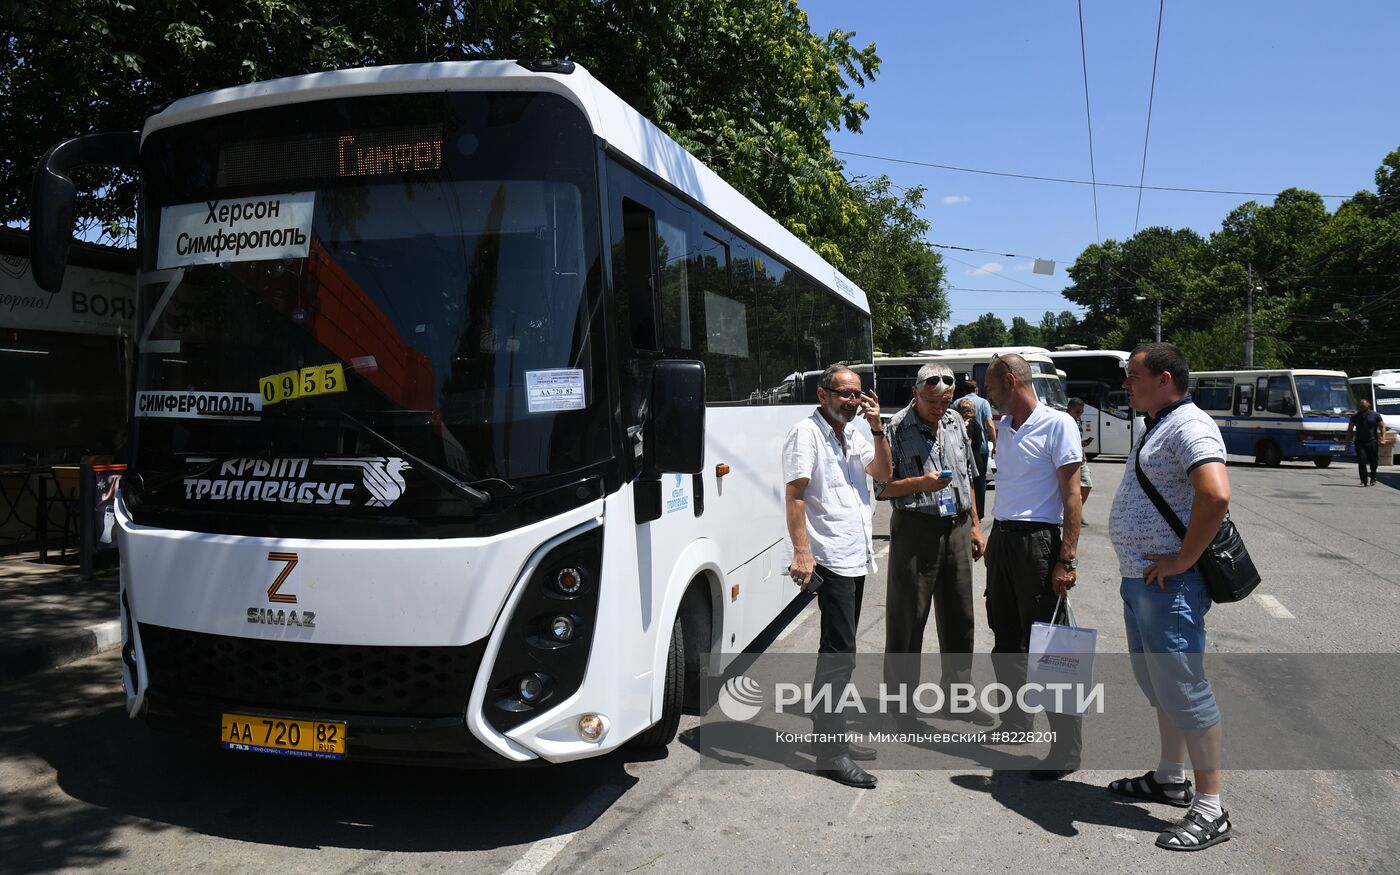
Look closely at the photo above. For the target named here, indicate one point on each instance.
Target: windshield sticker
(301, 481)
(198, 405)
(548, 391)
(249, 229)
(322, 380)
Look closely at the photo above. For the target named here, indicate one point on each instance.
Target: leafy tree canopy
(747, 87)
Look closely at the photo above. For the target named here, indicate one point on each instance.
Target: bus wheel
(1269, 454)
(673, 697)
(1322, 461)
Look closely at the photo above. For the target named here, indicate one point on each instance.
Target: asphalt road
(83, 788)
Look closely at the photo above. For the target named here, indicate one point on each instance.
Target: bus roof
(1264, 372)
(977, 352)
(1090, 353)
(619, 125)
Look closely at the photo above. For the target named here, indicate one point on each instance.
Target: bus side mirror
(55, 197)
(676, 444)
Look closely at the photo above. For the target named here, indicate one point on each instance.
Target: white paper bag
(1061, 654)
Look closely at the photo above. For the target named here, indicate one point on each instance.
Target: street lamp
(1157, 299)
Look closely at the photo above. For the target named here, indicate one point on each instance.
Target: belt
(956, 519)
(1024, 525)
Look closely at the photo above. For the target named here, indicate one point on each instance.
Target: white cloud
(1023, 268)
(956, 199)
(989, 267)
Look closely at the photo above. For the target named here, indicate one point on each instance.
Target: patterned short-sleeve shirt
(1180, 439)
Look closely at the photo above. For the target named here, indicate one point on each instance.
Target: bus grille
(339, 678)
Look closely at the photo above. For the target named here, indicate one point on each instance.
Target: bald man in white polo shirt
(1031, 553)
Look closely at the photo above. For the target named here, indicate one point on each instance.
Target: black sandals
(1195, 832)
(1147, 787)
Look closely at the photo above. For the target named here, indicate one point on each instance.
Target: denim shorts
(1167, 639)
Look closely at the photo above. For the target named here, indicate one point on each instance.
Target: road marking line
(1274, 607)
(543, 852)
(852, 812)
(796, 621)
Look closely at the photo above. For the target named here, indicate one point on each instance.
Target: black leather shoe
(857, 752)
(1049, 774)
(843, 771)
(977, 717)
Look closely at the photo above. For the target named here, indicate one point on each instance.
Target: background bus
(1382, 389)
(1097, 377)
(1277, 414)
(894, 375)
(461, 394)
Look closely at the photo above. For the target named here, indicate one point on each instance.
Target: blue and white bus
(461, 391)
(1278, 414)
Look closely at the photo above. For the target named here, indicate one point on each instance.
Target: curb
(20, 660)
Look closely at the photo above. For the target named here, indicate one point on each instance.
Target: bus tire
(663, 732)
(1322, 461)
(1268, 453)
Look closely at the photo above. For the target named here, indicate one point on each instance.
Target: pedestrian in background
(1165, 599)
(935, 536)
(1369, 429)
(825, 464)
(983, 416)
(1032, 552)
(1075, 409)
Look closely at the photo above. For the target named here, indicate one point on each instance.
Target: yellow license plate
(315, 739)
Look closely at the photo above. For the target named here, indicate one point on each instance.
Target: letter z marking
(272, 594)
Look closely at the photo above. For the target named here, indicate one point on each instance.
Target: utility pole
(1249, 319)
(1159, 318)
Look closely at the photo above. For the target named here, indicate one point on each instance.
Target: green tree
(884, 252)
(988, 330)
(1024, 333)
(1060, 329)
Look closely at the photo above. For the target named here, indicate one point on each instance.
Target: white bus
(894, 375)
(461, 394)
(1277, 414)
(1382, 389)
(1096, 376)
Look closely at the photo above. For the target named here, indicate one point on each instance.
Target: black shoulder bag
(1229, 573)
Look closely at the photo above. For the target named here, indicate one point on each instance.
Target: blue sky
(1253, 95)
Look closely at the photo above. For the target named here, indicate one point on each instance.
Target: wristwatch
(1071, 564)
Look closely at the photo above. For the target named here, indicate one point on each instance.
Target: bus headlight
(562, 628)
(531, 688)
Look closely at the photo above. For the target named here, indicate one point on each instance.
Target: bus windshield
(1323, 394)
(423, 304)
(1387, 400)
(1051, 390)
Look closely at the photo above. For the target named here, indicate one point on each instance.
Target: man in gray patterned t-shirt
(1165, 598)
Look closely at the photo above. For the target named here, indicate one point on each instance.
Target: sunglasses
(936, 379)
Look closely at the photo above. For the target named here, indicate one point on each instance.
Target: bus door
(1116, 424)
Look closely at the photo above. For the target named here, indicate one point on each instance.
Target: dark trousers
(979, 485)
(838, 600)
(1367, 454)
(930, 567)
(1020, 566)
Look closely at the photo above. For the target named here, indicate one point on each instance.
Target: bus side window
(639, 273)
(1281, 396)
(1261, 397)
(726, 286)
(1244, 397)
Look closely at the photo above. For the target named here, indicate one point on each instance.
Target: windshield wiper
(460, 488)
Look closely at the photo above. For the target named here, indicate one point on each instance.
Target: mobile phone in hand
(946, 473)
(814, 582)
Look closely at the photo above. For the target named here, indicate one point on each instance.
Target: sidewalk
(50, 615)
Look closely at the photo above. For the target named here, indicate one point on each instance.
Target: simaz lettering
(269, 617)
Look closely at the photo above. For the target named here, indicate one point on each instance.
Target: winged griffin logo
(382, 477)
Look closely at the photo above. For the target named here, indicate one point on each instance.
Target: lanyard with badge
(947, 500)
